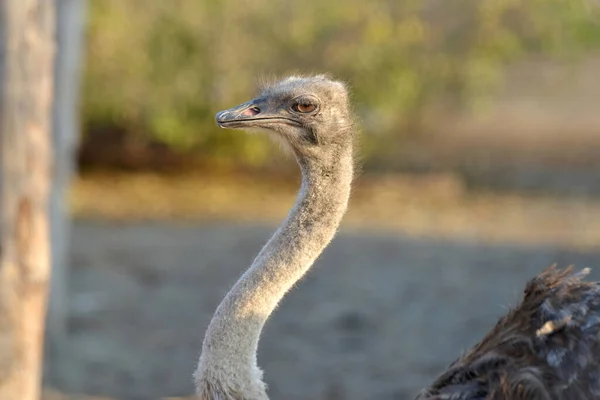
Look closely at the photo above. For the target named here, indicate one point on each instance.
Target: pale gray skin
(321, 140)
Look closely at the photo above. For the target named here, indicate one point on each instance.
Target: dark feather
(546, 348)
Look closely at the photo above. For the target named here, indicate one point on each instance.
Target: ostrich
(545, 348)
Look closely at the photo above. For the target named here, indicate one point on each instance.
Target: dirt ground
(420, 270)
(378, 317)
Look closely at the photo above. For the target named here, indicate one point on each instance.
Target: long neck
(231, 341)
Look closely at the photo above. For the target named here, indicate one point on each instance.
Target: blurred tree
(26, 86)
(161, 70)
(70, 16)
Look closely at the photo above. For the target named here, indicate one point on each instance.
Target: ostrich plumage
(547, 347)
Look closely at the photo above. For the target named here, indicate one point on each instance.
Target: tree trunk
(70, 15)
(26, 91)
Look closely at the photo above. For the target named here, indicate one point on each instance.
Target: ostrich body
(545, 348)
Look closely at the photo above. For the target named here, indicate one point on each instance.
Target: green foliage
(163, 69)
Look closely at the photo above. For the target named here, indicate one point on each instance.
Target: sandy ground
(378, 317)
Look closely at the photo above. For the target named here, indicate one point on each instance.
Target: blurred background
(480, 142)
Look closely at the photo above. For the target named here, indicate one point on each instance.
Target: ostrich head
(307, 114)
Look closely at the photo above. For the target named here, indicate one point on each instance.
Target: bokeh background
(480, 143)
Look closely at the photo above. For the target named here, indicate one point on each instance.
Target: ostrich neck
(231, 341)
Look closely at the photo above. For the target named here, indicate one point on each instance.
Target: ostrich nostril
(250, 112)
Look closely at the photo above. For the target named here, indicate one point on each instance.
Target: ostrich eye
(304, 107)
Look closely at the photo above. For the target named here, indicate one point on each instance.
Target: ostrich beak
(239, 116)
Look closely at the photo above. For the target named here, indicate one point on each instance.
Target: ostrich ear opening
(313, 136)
